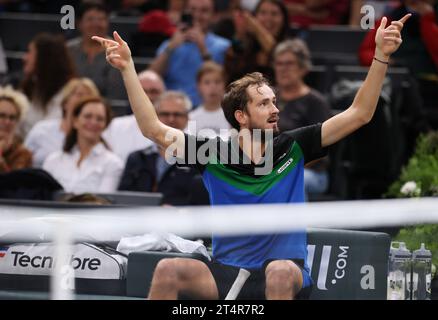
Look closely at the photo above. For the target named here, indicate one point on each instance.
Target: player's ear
(241, 117)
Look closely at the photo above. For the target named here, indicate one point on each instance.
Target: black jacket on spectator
(28, 184)
(178, 185)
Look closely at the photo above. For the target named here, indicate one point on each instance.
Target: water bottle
(399, 272)
(421, 274)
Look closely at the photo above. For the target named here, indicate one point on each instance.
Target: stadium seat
(319, 78)
(397, 74)
(120, 107)
(333, 44)
(18, 29)
(344, 265)
(125, 26)
(357, 174)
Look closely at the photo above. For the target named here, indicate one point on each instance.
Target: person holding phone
(256, 35)
(179, 58)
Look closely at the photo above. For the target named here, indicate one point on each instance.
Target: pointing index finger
(104, 41)
(118, 38)
(405, 18)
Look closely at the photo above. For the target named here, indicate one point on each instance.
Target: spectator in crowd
(147, 170)
(223, 23)
(154, 28)
(304, 13)
(210, 116)
(93, 18)
(255, 38)
(86, 164)
(47, 68)
(47, 136)
(420, 54)
(13, 155)
(123, 134)
(300, 105)
(173, 8)
(179, 58)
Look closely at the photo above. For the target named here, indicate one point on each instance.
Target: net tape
(38, 224)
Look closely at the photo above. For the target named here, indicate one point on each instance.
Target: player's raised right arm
(118, 55)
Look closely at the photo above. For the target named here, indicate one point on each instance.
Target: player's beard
(265, 134)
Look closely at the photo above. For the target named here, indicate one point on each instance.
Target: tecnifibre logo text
(47, 262)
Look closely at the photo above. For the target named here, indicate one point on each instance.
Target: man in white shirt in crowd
(148, 171)
(209, 117)
(123, 134)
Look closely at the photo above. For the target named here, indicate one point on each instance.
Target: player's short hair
(236, 96)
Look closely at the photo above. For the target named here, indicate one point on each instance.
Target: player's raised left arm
(388, 40)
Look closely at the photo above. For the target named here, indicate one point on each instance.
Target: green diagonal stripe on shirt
(259, 185)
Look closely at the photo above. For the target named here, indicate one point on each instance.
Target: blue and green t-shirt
(229, 183)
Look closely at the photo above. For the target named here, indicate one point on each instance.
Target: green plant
(419, 178)
(422, 169)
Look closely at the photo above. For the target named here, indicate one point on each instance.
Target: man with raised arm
(271, 266)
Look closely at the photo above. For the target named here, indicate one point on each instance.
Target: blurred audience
(89, 56)
(68, 126)
(179, 58)
(123, 134)
(13, 155)
(40, 6)
(86, 163)
(255, 38)
(209, 116)
(47, 67)
(154, 28)
(47, 136)
(420, 53)
(148, 170)
(305, 13)
(173, 8)
(299, 104)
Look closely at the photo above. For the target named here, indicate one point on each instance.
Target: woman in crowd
(86, 164)
(255, 38)
(299, 104)
(93, 18)
(48, 135)
(13, 155)
(47, 68)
